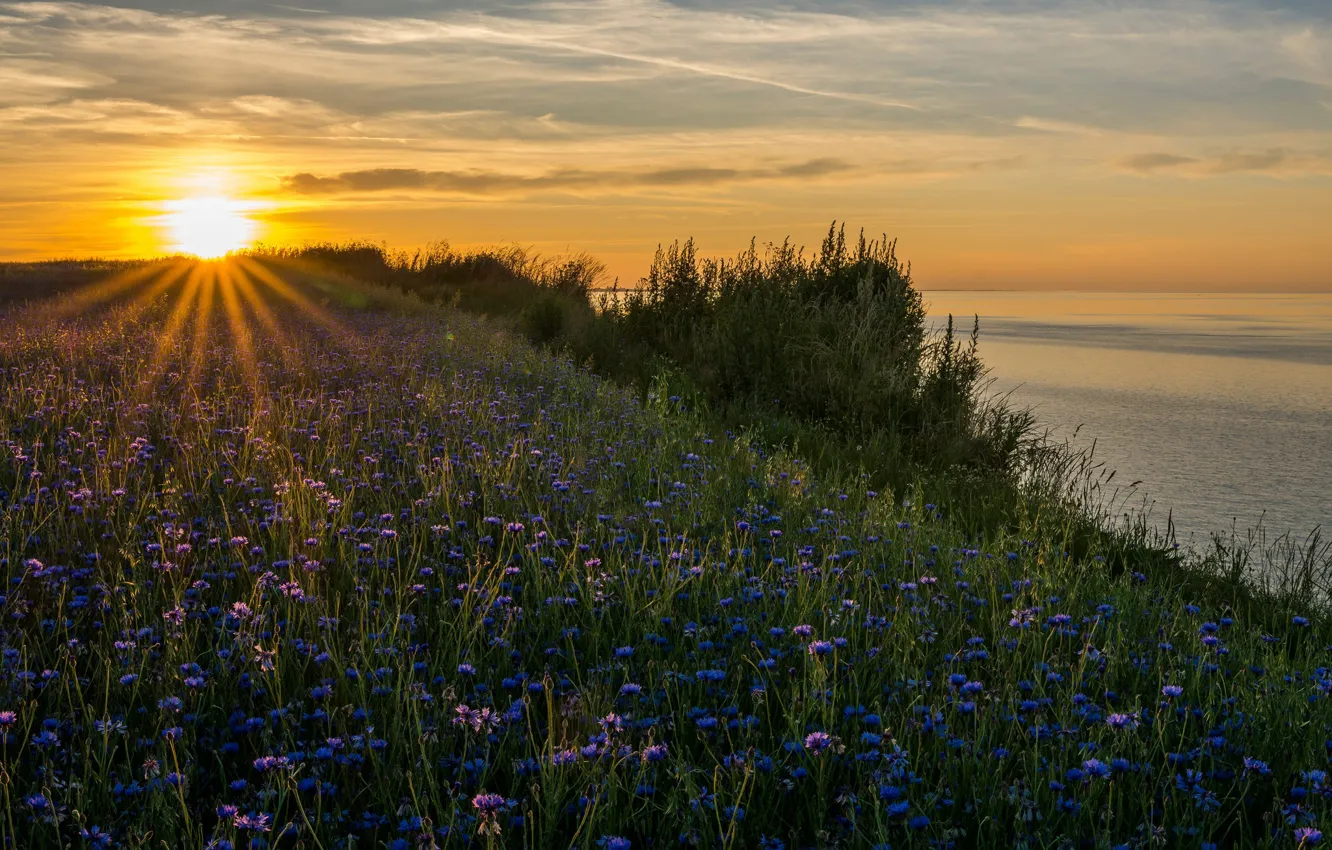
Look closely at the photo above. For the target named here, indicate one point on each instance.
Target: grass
(296, 561)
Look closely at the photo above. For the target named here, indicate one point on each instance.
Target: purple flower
(254, 823)
(488, 804)
(264, 764)
(817, 742)
(1122, 721)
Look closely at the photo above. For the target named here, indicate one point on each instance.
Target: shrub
(838, 339)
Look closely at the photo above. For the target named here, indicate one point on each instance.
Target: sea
(1216, 407)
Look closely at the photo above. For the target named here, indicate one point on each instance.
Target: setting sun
(208, 227)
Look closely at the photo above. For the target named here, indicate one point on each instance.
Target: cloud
(1258, 162)
(1054, 66)
(1145, 162)
(1275, 161)
(124, 117)
(1045, 125)
(477, 182)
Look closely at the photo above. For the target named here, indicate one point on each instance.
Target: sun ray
(290, 293)
(153, 278)
(241, 336)
(170, 332)
(279, 339)
(202, 324)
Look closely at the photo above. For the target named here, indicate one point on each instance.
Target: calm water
(1221, 405)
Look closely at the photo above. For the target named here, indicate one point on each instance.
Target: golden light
(208, 226)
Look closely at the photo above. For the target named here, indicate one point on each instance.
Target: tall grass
(23, 282)
(499, 280)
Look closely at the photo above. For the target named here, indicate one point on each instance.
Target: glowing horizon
(1015, 144)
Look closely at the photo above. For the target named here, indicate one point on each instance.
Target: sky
(1020, 144)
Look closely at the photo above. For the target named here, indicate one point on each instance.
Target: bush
(543, 320)
(838, 339)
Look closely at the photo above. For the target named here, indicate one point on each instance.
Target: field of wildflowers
(314, 566)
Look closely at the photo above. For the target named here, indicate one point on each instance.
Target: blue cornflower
(45, 739)
(656, 752)
(1096, 768)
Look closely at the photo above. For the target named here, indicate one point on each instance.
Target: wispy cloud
(1052, 66)
(1274, 161)
(1230, 163)
(1047, 125)
(491, 182)
(1148, 162)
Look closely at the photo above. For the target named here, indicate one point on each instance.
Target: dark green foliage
(784, 341)
(543, 319)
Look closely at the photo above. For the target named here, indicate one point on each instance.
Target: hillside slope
(292, 561)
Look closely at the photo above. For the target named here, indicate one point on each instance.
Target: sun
(208, 226)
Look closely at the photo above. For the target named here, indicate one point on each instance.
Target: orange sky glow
(1019, 144)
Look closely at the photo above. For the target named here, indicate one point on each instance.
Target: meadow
(294, 560)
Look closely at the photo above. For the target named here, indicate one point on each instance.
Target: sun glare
(209, 226)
